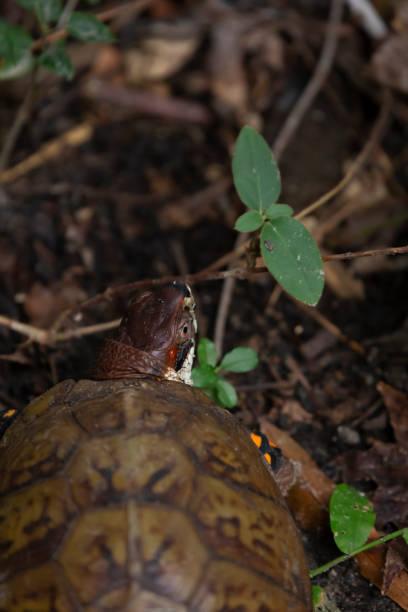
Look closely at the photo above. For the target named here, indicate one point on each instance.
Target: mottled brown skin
(141, 495)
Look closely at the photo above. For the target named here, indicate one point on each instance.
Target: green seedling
(288, 249)
(17, 55)
(206, 375)
(351, 520)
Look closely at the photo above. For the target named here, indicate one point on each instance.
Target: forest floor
(146, 192)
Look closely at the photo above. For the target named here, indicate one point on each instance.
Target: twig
(224, 303)
(368, 17)
(34, 333)
(353, 255)
(73, 138)
(49, 336)
(316, 82)
(372, 142)
(68, 9)
(21, 117)
(260, 264)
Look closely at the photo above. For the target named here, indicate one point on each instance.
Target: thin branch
(21, 117)
(316, 82)
(72, 138)
(34, 333)
(353, 255)
(224, 303)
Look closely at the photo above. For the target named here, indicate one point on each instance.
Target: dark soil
(133, 202)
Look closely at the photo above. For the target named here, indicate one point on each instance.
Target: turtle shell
(141, 496)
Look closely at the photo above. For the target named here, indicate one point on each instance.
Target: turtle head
(155, 337)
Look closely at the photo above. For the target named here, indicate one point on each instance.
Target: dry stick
(49, 336)
(284, 137)
(224, 303)
(73, 138)
(316, 82)
(21, 117)
(353, 255)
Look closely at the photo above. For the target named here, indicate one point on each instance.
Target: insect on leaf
(293, 258)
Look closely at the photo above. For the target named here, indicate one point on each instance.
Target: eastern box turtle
(134, 492)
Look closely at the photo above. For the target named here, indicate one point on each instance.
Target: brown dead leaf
(396, 403)
(396, 561)
(294, 412)
(307, 489)
(389, 64)
(159, 57)
(371, 565)
(387, 466)
(43, 304)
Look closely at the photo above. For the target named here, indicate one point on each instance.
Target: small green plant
(206, 374)
(17, 55)
(289, 251)
(351, 520)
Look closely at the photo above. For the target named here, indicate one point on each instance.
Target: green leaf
(46, 10)
(240, 359)
(86, 27)
(207, 352)
(351, 518)
(204, 375)
(278, 210)
(15, 51)
(226, 394)
(293, 258)
(57, 60)
(256, 175)
(405, 535)
(317, 594)
(249, 221)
